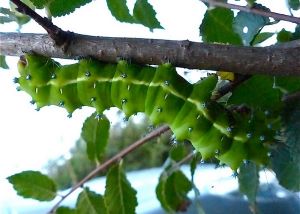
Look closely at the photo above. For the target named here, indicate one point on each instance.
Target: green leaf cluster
(248, 178)
(12, 15)
(217, 26)
(259, 92)
(294, 4)
(286, 36)
(286, 157)
(119, 196)
(3, 62)
(143, 13)
(59, 7)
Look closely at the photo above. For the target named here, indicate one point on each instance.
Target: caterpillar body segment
(189, 123)
(166, 95)
(209, 143)
(130, 83)
(40, 67)
(95, 77)
(160, 93)
(238, 150)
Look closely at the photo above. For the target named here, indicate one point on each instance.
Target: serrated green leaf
(3, 62)
(217, 26)
(33, 184)
(248, 178)
(161, 193)
(294, 4)
(288, 84)
(248, 25)
(6, 19)
(193, 165)
(284, 36)
(144, 13)
(261, 37)
(40, 3)
(178, 152)
(5, 11)
(257, 92)
(120, 11)
(95, 133)
(65, 210)
(9, 16)
(172, 191)
(286, 167)
(64, 7)
(286, 158)
(119, 196)
(89, 202)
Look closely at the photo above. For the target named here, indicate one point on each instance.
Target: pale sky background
(28, 139)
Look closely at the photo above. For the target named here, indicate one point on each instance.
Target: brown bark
(272, 60)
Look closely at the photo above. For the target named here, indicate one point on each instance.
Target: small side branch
(113, 160)
(230, 86)
(276, 16)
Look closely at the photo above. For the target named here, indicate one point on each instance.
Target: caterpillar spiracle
(159, 92)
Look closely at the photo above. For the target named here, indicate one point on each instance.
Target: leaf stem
(157, 132)
(276, 16)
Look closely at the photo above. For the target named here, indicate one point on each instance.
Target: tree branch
(113, 160)
(276, 16)
(244, 60)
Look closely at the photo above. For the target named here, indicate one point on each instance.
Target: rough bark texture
(272, 60)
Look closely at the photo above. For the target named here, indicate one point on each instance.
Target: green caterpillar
(160, 93)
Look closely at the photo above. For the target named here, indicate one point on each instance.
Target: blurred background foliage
(68, 171)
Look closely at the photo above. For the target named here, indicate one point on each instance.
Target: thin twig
(291, 97)
(276, 16)
(157, 132)
(183, 160)
(230, 86)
